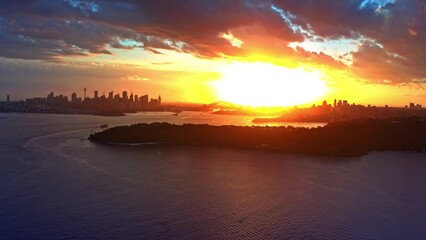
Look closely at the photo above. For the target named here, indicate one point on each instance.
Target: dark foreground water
(56, 185)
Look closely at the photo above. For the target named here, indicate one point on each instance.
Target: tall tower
(8, 98)
(84, 93)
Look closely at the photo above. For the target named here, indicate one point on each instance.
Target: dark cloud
(187, 25)
(394, 49)
(373, 62)
(398, 26)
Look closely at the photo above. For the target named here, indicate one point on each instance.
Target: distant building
(144, 100)
(96, 94)
(74, 97)
(117, 96)
(415, 106)
(125, 97)
(154, 103)
(8, 98)
(345, 103)
(111, 95)
(85, 96)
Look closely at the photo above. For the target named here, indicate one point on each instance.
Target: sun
(267, 85)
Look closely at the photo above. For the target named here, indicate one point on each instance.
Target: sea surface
(55, 184)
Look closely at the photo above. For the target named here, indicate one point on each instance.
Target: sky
(253, 52)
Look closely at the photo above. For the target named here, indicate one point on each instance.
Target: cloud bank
(383, 41)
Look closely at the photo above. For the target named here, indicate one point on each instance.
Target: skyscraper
(74, 97)
(50, 96)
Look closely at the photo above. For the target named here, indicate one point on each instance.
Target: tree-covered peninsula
(349, 138)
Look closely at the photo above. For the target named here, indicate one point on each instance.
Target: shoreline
(88, 114)
(349, 138)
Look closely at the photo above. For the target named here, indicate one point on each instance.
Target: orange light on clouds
(264, 84)
(235, 42)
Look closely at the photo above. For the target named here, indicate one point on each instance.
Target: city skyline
(112, 104)
(124, 95)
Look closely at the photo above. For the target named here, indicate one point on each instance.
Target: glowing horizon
(266, 85)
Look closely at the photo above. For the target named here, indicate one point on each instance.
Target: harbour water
(54, 184)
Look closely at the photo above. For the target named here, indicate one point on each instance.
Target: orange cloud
(135, 78)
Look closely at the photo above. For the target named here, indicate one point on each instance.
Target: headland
(341, 138)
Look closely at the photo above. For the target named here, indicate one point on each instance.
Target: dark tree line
(355, 137)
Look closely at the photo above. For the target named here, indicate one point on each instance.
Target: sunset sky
(252, 52)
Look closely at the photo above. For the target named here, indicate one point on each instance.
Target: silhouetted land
(328, 114)
(351, 138)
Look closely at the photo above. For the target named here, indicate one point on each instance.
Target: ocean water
(54, 184)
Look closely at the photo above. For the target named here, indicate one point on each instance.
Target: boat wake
(43, 144)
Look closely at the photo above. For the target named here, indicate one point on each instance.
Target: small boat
(104, 126)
